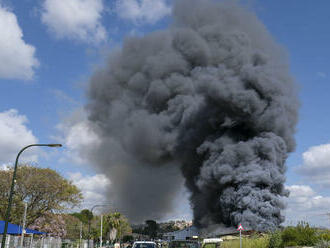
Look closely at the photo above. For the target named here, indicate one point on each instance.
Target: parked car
(184, 244)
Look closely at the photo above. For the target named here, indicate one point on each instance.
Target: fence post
(7, 245)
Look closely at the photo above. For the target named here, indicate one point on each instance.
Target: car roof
(185, 240)
(141, 242)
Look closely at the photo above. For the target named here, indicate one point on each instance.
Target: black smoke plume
(211, 97)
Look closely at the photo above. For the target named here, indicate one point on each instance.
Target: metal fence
(44, 242)
(69, 243)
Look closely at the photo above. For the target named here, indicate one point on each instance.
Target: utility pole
(80, 235)
(23, 229)
(89, 220)
(101, 230)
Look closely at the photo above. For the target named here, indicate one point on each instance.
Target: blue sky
(47, 57)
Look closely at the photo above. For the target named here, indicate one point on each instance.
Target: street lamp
(10, 200)
(89, 220)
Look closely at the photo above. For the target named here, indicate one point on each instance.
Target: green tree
(84, 215)
(119, 222)
(95, 227)
(301, 235)
(151, 229)
(168, 227)
(275, 240)
(44, 190)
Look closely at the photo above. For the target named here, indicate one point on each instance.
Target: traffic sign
(240, 228)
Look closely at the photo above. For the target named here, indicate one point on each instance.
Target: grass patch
(254, 242)
(300, 235)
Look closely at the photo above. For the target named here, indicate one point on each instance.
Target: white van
(212, 243)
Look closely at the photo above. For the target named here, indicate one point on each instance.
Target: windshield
(144, 245)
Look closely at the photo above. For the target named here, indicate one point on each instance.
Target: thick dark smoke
(211, 97)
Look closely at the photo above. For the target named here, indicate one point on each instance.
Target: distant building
(184, 234)
(210, 232)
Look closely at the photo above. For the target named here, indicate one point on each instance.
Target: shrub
(302, 234)
(323, 244)
(325, 236)
(275, 240)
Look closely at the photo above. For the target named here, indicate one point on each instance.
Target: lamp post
(89, 220)
(101, 230)
(10, 200)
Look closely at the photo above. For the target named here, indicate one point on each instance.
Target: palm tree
(117, 221)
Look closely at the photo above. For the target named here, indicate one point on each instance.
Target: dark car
(184, 244)
(144, 244)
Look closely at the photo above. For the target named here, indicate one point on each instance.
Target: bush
(302, 234)
(325, 236)
(323, 244)
(275, 240)
(291, 243)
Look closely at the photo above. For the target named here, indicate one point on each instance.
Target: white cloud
(79, 140)
(142, 11)
(304, 204)
(14, 135)
(93, 188)
(18, 58)
(78, 137)
(4, 167)
(75, 19)
(316, 165)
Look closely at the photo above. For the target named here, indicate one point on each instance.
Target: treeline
(114, 224)
(156, 230)
(48, 195)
